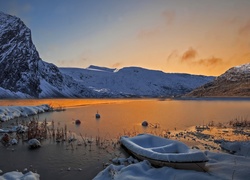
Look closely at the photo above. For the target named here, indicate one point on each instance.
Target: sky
(188, 36)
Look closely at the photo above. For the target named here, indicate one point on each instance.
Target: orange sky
(190, 36)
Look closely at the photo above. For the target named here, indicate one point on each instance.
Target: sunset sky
(191, 36)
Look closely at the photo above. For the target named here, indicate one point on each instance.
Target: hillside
(135, 81)
(25, 75)
(235, 82)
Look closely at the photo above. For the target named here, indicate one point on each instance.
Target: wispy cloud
(209, 62)
(188, 55)
(116, 65)
(169, 17)
(173, 55)
(166, 17)
(245, 29)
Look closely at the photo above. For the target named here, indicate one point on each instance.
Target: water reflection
(118, 116)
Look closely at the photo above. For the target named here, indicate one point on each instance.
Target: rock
(34, 143)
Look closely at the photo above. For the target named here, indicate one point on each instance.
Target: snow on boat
(164, 152)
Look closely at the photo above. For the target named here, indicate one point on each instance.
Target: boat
(161, 151)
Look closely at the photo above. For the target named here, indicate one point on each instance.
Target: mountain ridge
(136, 81)
(25, 75)
(235, 82)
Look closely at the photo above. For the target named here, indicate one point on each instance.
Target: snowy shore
(11, 112)
(18, 175)
(219, 166)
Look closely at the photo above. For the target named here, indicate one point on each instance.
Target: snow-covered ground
(15, 175)
(11, 112)
(219, 166)
(135, 81)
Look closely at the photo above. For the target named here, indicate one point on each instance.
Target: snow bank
(238, 148)
(11, 112)
(219, 166)
(14, 175)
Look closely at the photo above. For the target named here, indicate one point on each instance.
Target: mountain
(235, 82)
(135, 81)
(25, 75)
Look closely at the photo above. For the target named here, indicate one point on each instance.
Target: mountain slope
(234, 82)
(135, 81)
(25, 75)
(23, 71)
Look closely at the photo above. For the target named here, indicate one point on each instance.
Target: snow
(11, 112)
(14, 175)
(98, 68)
(4, 93)
(219, 166)
(158, 148)
(238, 148)
(135, 81)
(236, 73)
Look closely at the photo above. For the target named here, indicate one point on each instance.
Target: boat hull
(197, 166)
(160, 152)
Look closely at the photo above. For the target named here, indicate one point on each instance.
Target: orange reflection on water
(59, 102)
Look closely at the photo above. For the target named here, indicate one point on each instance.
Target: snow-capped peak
(236, 73)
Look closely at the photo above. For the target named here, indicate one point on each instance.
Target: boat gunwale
(151, 159)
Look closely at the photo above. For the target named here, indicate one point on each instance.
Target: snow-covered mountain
(25, 75)
(234, 82)
(135, 81)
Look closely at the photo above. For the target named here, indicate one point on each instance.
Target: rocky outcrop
(235, 82)
(24, 72)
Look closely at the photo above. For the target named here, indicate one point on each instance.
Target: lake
(118, 116)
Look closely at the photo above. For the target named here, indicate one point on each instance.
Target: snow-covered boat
(164, 152)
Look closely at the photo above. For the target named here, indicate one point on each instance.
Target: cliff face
(18, 57)
(234, 82)
(23, 71)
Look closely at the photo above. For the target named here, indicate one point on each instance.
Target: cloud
(189, 55)
(172, 55)
(245, 29)
(209, 62)
(169, 16)
(116, 65)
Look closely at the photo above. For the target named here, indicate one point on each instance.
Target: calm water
(117, 117)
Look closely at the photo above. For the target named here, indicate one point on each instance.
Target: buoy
(97, 116)
(144, 123)
(77, 122)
